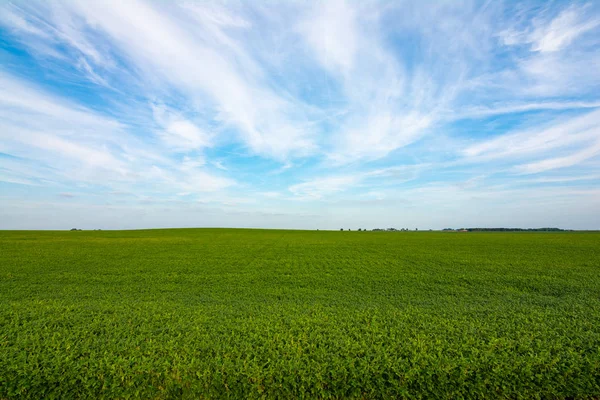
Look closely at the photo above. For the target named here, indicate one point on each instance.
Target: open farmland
(195, 313)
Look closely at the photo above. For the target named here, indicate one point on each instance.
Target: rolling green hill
(211, 313)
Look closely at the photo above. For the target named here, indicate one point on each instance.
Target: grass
(219, 313)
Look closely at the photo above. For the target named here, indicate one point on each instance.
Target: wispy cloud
(89, 148)
(177, 132)
(324, 186)
(577, 137)
(561, 162)
(547, 36)
(563, 56)
(379, 118)
(317, 188)
(152, 39)
(507, 108)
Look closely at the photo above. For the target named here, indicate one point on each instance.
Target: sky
(299, 114)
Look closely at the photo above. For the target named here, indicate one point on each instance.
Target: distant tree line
(469, 230)
(507, 229)
(391, 230)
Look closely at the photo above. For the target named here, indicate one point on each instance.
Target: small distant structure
(462, 230)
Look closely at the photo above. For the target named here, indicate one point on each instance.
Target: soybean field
(238, 313)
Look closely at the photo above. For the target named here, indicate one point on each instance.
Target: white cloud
(562, 143)
(165, 47)
(552, 35)
(10, 16)
(563, 58)
(17, 95)
(561, 179)
(553, 75)
(12, 177)
(219, 165)
(188, 47)
(379, 134)
(322, 187)
(91, 148)
(510, 108)
(561, 31)
(270, 194)
(189, 163)
(179, 133)
(325, 186)
(388, 100)
(560, 134)
(32, 125)
(371, 79)
(332, 32)
(563, 161)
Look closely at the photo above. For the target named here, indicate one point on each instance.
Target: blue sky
(407, 114)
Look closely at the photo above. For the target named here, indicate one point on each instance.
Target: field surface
(219, 313)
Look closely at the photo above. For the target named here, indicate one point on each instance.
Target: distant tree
(341, 229)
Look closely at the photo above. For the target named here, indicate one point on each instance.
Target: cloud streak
(73, 144)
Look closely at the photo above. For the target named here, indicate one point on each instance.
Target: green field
(220, 313)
